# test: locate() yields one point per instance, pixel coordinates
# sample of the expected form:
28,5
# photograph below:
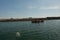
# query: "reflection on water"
48,30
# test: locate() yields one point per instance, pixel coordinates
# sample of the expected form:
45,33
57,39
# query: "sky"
29,8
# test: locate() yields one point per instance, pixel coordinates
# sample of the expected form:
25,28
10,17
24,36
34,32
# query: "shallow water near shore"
48,30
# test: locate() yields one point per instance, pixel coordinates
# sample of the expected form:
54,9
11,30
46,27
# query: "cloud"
44,7
50,7
32,7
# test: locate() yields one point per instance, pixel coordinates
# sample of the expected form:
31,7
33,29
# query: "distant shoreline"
28,19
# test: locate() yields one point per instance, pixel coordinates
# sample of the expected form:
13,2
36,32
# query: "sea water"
48,30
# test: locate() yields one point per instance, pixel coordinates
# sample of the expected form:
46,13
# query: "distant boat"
42,20
37,21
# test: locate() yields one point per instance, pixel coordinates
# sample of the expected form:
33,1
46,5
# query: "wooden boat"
42,20
37,21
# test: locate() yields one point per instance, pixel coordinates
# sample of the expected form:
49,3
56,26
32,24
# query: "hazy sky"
29,8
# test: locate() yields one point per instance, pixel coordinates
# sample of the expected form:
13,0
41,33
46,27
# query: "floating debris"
18,34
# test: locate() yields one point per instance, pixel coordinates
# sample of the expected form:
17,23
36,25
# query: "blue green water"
48,30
